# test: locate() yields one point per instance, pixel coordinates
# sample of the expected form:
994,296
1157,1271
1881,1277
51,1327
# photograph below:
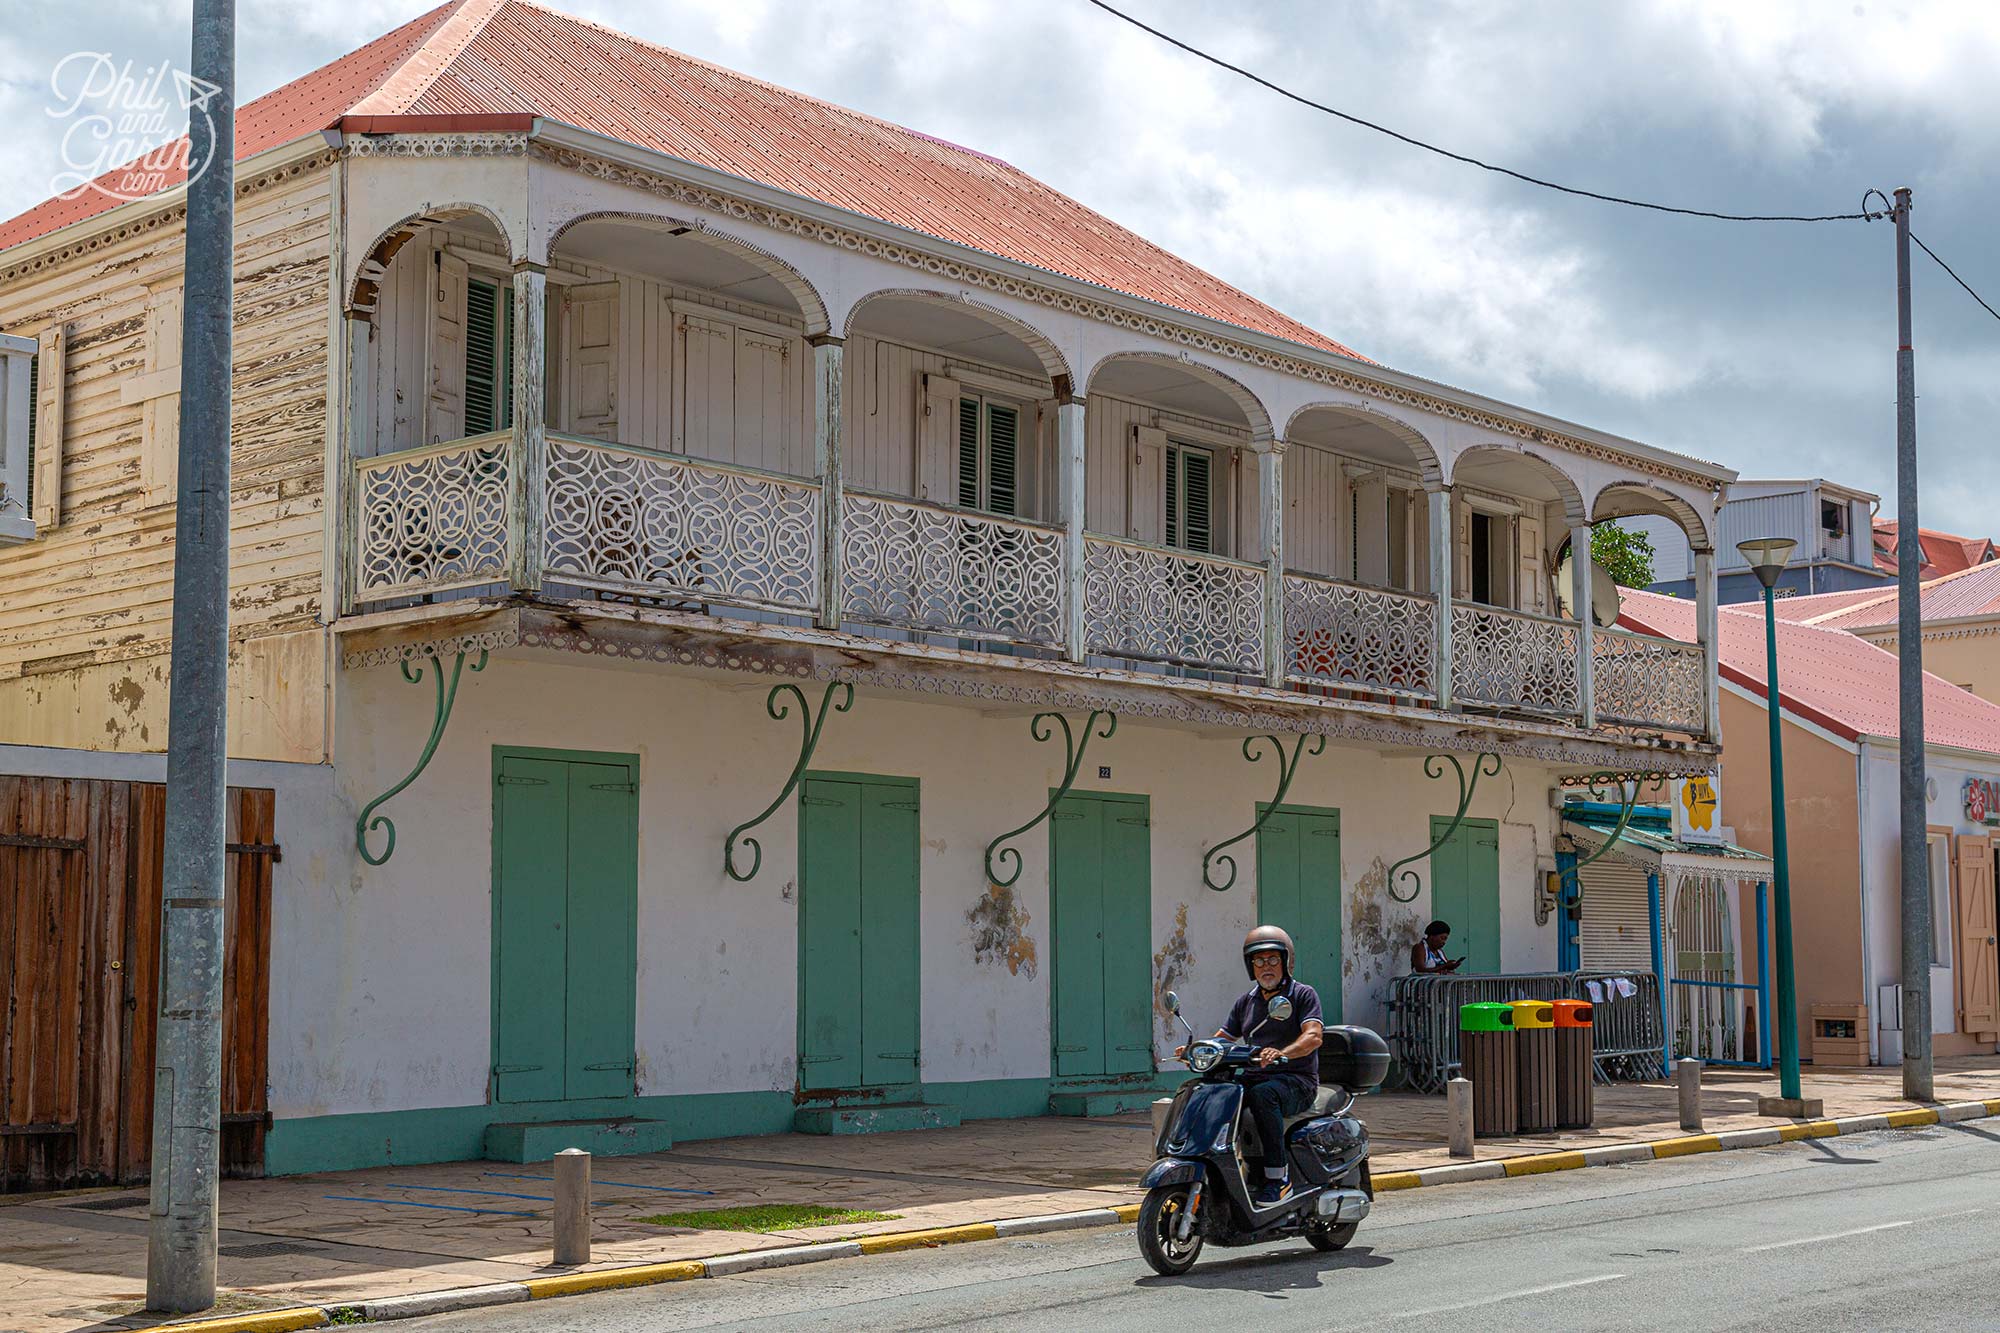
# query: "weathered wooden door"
1465,890
1298,888
566,839
1101,906
858,938
80,876
1978,961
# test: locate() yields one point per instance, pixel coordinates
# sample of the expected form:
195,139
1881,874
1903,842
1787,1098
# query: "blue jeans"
1269,1101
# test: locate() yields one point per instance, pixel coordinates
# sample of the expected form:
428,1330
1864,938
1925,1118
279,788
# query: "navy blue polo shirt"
1250,1020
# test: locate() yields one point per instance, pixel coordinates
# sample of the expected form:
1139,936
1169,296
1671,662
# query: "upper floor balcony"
659,417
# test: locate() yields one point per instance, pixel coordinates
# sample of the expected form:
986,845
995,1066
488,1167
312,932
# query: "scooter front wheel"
1160,1219
1330,1238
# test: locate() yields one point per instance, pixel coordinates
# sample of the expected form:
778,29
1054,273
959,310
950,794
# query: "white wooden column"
1705,628
1069,496
829,361
1443,558
357,421
529,474
1271,523
1579,573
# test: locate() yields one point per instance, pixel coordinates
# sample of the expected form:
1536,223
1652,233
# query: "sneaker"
1272,1193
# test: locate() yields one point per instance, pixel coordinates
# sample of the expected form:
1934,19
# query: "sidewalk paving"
78,1261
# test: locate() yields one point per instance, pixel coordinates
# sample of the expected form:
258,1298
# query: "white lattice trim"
1172,606
432,519
1646,681
926,567
1375,639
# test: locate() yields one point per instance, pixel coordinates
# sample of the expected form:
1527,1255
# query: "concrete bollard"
1687,1073
1458,1096
572,1206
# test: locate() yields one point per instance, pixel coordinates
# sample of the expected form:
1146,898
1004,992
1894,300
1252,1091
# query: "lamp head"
1766,557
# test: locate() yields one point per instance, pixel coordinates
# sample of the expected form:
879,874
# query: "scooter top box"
1354,1057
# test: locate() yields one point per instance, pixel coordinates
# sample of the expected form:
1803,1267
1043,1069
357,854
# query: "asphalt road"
1893,1230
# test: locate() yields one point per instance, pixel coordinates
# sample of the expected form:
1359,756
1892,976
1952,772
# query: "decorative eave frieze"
682,639
483,144
739,206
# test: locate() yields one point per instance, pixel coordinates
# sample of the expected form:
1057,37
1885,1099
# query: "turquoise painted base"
877,1119
539,1141
300,1144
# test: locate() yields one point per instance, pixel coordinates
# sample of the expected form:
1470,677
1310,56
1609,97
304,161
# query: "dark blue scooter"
1198,1191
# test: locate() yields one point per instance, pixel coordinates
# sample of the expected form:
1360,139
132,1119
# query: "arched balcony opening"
1512,649
1360,609
1179,502
951,528
1638,679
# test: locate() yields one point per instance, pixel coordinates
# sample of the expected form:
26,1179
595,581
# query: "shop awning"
1649,842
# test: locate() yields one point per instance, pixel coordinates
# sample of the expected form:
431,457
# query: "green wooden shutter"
968,452
482,357
1196,492
34,418
1173,471
1003,431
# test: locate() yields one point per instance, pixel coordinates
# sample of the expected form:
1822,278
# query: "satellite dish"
1603,592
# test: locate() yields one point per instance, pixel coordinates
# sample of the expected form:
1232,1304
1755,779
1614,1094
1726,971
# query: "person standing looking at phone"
1427,954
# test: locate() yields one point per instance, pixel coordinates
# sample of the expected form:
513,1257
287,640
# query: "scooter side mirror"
1280,1007
1172,1001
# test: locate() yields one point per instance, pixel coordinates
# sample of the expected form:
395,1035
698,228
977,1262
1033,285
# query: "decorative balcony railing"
1510,659
1639,680
1371,639
433,519
925,567
1172,606
640,522
631,520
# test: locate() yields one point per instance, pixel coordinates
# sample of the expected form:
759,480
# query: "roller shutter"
1617,929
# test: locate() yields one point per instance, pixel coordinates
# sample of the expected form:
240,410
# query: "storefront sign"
1982,800
1697,810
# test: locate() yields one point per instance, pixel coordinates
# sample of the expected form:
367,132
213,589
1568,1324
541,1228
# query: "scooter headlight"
1203,1055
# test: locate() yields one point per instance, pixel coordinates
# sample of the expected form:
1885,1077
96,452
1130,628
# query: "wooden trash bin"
1535,1063
1486,1057
1575,1064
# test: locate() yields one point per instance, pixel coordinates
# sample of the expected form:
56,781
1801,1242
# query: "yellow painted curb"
1396,1180
1993,1105
916,1240
1541,1163
1127,1212
263,1321
606,1279
1687,1147
1905,1119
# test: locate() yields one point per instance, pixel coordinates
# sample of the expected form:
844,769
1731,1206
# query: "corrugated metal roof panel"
1828,676
491,57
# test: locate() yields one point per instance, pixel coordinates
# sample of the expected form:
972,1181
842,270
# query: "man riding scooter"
1287,1050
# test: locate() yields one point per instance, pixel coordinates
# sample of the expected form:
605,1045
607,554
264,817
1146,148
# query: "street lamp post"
1766,557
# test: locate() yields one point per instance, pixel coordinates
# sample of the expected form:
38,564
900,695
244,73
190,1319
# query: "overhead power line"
1473,161
1954,277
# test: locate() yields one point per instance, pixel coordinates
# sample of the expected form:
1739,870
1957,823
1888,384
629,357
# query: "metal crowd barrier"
1626,1034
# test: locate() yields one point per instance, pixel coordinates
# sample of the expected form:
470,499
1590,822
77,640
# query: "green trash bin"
1486,1057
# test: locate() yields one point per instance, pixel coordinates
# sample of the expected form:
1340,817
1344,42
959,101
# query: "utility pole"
1910,692
187,1080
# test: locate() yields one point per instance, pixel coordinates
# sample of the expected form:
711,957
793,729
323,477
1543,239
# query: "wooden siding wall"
80,883
85,608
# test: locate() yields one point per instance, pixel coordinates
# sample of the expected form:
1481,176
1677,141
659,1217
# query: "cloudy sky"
1767,347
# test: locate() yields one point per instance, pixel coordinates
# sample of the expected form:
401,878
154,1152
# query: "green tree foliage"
1624,554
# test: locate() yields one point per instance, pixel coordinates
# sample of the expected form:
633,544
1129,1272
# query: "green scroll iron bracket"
1073,749
1287,770
810,724
1627,802
1466,787
447,695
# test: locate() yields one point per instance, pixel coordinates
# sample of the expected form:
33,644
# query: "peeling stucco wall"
1172,966
1376,943
999,932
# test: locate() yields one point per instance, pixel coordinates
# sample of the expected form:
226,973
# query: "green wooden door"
858,940
566,838
1298,887
1101,906
1465,890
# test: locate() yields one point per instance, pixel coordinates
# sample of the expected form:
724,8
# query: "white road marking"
1510,1296
1858,1231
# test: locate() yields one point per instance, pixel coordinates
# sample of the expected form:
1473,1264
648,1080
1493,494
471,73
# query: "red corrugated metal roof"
1944,552
1816,609
1969,592
1827,676
498,57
